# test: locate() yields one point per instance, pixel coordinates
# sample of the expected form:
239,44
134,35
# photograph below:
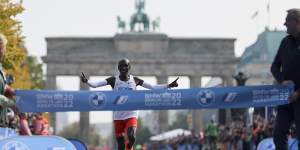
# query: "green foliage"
180,122
26,70
142,134
11,28
36,73
16,54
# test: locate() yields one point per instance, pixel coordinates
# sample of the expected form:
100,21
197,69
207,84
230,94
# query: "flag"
254,15
268,6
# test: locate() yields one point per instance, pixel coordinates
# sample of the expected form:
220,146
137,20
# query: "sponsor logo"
205,97
122,99
15,145
230,97
163,99
123,88
97,100
266,95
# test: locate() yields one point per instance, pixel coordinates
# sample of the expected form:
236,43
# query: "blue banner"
36,143
293,144
268,144
7,132
78,144
196,98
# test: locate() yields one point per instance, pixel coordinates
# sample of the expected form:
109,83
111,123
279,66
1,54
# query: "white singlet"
125,85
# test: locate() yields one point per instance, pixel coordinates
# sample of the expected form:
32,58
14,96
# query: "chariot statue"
139,17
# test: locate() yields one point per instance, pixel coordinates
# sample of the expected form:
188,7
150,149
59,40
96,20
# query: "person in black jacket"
286,70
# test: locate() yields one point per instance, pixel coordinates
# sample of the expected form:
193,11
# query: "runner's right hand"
83,78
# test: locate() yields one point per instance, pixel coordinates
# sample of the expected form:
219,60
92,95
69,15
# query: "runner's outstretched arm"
160,86
92,84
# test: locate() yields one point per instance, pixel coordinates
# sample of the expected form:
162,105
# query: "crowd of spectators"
29,123
234,136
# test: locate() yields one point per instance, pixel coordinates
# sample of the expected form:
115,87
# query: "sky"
179,18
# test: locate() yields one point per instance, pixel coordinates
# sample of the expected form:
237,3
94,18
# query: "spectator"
40,125
5,102
212,133
24,125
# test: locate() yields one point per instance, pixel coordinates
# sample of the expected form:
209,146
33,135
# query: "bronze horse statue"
139,17
121,24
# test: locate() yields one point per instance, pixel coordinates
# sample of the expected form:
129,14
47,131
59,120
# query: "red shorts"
121,126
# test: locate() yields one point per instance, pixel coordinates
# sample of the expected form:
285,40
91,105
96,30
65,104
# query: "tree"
180,122
36,73
14,62
143,133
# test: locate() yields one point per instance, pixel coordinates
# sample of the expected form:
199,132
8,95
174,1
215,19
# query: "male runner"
125,121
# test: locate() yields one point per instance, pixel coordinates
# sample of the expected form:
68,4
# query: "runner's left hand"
174,83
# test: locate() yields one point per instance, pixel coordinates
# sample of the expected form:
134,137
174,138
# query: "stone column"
84,122
197,118
227,81
51,85
163,114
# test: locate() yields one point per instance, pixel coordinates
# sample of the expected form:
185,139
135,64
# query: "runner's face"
124,67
